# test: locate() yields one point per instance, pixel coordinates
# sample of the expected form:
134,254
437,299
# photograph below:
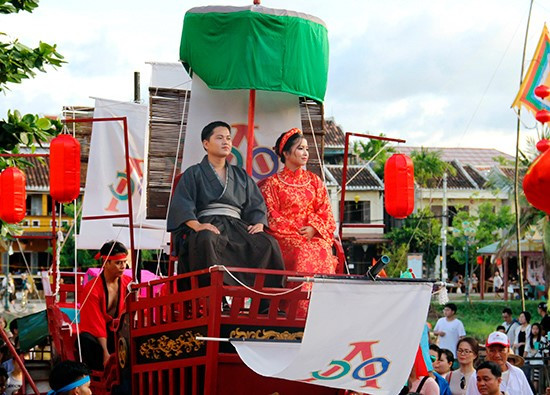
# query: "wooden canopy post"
482,278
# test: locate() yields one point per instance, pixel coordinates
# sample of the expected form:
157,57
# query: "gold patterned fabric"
295,199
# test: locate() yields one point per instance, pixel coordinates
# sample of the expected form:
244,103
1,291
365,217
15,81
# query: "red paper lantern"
542,91
480,260
536,183
13,196
64,168
543,116
543,145
399,186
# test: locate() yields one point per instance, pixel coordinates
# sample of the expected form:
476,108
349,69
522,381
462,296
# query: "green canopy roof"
255,47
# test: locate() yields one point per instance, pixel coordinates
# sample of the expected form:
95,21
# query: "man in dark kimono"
221,213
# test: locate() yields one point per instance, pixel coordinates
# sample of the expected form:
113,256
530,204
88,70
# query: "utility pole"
444,231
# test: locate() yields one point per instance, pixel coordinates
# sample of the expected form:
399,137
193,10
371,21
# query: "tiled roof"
334,136
362,177
480,158
38,176
475,175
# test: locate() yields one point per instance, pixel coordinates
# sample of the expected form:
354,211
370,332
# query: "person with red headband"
103,300
299,211
217,215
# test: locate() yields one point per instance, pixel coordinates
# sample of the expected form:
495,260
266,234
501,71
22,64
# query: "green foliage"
487,227
420,232
18,61
13,6
481,318
428,167
375,150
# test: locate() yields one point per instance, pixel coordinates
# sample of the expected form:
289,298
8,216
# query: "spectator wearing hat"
545,320
513,380
449,329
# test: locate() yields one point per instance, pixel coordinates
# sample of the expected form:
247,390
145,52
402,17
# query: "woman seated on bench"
299,212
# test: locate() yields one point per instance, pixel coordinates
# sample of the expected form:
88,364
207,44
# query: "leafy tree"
420,232
429,168
487,225
376,150
19,62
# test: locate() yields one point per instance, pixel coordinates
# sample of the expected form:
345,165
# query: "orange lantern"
64,168
480,260
13,196
536,183
399,186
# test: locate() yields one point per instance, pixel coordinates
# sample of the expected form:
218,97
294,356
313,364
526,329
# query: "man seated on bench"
102,300
219,211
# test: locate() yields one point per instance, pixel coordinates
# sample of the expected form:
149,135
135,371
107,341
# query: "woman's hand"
307,231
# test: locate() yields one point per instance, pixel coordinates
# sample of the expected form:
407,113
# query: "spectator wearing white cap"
513,381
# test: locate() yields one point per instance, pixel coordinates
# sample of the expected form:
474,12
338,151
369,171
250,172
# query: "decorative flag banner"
276,112
106,192
354,338
537,74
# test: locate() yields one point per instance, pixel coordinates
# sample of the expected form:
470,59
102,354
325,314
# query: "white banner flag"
359,336
106,192
275,113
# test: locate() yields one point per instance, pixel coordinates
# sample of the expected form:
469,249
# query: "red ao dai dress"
295,199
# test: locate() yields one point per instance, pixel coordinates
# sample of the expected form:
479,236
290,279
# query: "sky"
434,72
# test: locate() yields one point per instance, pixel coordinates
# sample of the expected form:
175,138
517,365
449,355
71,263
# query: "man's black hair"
67,372
113,247
507,310
208,130
542,305
492,366
500,328
435,347
3,372
452,306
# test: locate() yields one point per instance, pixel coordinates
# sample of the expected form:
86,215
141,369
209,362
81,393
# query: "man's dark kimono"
200,195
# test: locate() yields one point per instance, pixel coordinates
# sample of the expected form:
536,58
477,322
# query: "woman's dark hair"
288,144
448,354
67,372
527,316
113,247
492,366
473,344
435,347
208,130
539,336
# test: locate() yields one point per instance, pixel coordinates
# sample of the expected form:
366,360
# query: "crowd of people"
509,362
